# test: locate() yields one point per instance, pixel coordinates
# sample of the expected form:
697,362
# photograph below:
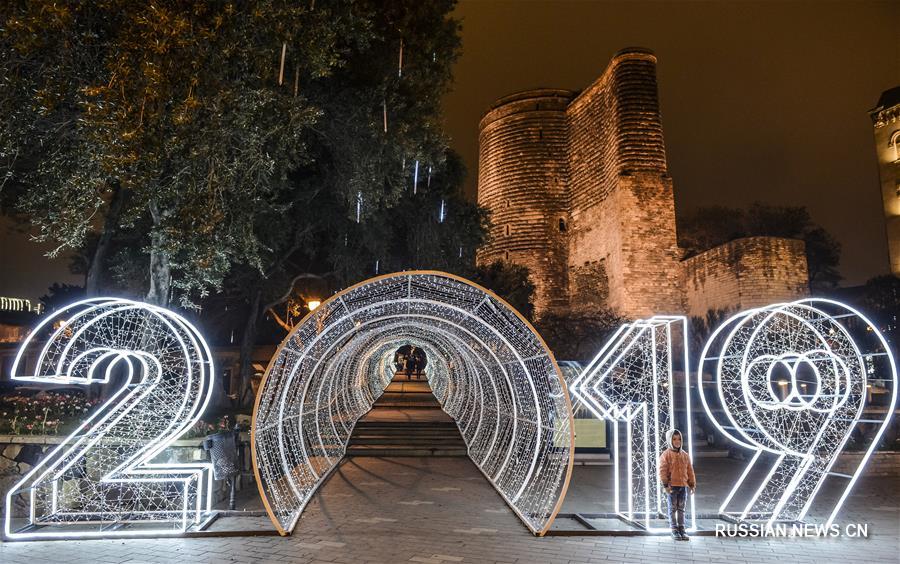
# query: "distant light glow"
313,304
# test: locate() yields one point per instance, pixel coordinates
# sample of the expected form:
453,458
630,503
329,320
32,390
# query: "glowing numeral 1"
632,381
106,473
790,383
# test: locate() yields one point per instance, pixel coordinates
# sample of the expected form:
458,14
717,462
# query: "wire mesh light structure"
791,383
487,367
632,382
106,478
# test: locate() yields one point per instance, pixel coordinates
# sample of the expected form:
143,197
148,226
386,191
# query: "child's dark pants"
676,507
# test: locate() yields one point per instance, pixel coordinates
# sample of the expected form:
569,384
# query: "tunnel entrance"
406,420
488,369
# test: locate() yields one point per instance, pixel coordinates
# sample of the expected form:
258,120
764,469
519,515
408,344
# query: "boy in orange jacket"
676,474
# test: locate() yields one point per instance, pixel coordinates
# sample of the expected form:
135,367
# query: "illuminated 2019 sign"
632,382
105,474
789,381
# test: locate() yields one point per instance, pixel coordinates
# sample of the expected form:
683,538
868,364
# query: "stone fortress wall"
579,192
886,126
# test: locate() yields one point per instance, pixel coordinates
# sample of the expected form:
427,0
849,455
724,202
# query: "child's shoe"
676,535
682,535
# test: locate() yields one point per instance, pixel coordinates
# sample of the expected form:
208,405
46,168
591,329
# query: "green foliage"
59,296
228,159
509,281
710,226
881,301
578,335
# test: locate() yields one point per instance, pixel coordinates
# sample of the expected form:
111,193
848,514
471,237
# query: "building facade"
579,192
886,124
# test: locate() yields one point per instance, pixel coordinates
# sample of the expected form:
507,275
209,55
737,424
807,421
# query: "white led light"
106,474
631,382
807,349
487,367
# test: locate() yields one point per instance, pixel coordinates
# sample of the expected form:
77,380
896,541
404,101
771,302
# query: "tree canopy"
189,140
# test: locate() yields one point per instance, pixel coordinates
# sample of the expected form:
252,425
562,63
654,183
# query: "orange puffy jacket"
675,468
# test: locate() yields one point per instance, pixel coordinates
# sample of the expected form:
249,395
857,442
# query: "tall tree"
179,119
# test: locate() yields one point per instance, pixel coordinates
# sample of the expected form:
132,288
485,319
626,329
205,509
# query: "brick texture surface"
579,192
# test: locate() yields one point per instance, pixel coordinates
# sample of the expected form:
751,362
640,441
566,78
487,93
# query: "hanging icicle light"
441,214
377,263
281,67
429,177
416,178
384,106
358,206
400,61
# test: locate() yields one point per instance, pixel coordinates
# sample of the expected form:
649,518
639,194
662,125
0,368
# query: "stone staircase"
406,420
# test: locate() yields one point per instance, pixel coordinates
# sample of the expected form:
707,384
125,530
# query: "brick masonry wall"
886,127
621,197
579,193
745,273
522,181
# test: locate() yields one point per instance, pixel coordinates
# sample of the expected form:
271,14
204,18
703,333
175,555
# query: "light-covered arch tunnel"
487,366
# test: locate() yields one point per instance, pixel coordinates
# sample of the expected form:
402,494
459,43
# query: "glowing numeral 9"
790,383
631,381
104,474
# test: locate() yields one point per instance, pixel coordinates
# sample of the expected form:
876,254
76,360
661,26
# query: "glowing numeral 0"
790,383
105,474
632,381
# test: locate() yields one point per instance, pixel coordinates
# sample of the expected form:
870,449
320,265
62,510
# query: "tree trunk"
248,341
98,261
160,270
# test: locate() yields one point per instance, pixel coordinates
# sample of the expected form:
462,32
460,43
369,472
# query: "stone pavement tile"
472,524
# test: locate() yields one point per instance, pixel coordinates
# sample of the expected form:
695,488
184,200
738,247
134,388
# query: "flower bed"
52,414
47,413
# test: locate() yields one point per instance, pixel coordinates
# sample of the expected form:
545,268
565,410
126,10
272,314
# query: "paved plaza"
442,510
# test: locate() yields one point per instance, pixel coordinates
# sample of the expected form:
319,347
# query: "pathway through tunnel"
407,420
406,471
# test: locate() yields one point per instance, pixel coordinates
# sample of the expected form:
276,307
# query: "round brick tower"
522,181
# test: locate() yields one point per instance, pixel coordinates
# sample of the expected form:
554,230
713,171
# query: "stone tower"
580,193
886,121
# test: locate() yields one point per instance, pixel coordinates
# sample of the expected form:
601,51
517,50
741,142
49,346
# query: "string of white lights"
107,473
791,384
632,381
487,367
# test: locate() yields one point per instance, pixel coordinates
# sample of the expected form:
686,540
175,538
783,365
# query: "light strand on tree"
281,67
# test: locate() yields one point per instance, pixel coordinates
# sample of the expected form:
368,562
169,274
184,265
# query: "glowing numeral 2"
104,474
791,384
632,381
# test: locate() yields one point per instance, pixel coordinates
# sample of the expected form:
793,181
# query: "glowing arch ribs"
790,383
632,381
486,365
107,473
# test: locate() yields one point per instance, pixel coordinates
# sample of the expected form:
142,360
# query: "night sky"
761,102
